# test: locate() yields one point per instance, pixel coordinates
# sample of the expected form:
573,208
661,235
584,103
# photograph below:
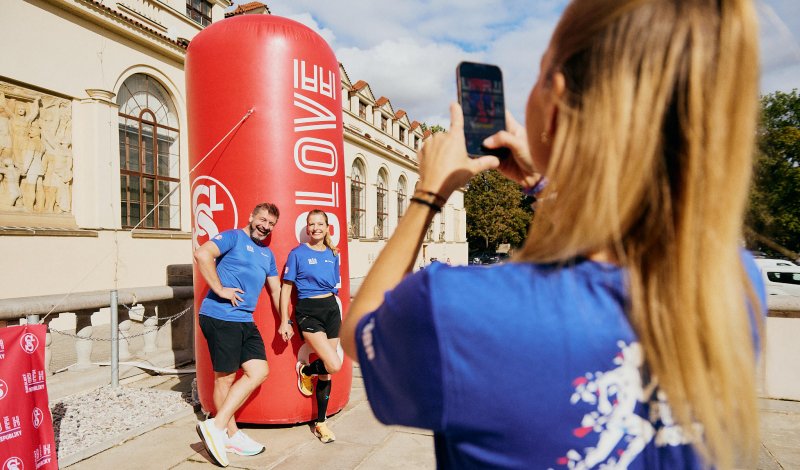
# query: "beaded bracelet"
430,204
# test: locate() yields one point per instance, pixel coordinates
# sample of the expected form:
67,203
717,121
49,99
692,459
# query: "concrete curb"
121,438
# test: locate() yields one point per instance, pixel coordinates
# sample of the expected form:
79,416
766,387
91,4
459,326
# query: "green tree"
497,211
434,128
773,217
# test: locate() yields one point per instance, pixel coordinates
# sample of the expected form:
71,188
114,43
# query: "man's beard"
254,230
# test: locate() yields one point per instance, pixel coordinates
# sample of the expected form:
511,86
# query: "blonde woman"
622,334
313,268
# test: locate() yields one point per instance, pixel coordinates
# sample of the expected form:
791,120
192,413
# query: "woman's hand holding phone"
519,167
444,163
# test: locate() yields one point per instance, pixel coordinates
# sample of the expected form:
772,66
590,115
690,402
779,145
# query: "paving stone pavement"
365,444
361,443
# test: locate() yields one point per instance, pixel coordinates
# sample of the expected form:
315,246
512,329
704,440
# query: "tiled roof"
399,114
359,85
245,7
381,101
414,125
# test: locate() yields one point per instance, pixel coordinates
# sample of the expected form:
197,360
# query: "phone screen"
480,93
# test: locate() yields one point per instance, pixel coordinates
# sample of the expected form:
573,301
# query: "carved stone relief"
35,151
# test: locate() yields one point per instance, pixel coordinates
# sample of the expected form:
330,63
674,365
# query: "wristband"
432,205
536,188
441,201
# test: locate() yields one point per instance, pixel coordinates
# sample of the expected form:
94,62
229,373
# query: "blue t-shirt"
313,272
520,366
244,264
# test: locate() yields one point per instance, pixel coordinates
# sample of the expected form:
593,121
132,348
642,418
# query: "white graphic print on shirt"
623,434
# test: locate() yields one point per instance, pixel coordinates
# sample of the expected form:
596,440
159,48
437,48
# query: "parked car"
482,257
764,262
781,280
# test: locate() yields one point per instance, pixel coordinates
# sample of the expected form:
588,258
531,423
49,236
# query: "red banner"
26,427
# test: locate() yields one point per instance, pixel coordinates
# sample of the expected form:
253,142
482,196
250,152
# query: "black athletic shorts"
315,315
231,343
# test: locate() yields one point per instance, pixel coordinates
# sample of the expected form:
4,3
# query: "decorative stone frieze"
35,158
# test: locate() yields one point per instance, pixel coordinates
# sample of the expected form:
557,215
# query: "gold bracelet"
430,204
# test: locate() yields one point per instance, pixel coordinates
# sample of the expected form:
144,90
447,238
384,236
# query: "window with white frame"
401,197
358,201
149,155
199,11
382,207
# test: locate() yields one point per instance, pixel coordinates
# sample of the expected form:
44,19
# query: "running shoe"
323,433
242,444
304,383
214,440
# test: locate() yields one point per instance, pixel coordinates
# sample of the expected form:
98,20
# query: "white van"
763,262
781,280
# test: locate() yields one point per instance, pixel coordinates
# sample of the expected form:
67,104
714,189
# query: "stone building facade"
93,135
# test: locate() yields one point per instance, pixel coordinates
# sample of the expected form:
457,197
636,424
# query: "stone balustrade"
84,316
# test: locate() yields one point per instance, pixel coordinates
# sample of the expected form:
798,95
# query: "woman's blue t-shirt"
244,264
521,366
313,272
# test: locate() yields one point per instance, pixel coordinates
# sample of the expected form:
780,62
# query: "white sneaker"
242,444
214,440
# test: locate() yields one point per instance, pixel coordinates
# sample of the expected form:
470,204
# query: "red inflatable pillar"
289,152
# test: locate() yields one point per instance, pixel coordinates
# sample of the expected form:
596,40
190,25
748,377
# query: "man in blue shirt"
235,264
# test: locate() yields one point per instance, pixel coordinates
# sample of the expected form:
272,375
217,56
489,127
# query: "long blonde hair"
651,159
327,241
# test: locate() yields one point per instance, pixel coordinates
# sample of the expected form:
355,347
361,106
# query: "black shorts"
231,343
315,315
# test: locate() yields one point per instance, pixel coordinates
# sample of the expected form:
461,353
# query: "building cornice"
129,23
367,142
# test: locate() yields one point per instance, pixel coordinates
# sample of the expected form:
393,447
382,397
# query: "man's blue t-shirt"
521,366
244,264
313,272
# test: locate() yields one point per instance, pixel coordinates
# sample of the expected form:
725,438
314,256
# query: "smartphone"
480,94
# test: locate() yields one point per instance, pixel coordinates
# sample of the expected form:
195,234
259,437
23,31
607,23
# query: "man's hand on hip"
230,293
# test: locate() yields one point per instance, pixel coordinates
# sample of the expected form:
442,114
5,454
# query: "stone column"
83,344
96,163
150,329
125,325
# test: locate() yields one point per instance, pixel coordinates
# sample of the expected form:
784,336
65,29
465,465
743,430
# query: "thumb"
487,162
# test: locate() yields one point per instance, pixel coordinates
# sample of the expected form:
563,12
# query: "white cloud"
408,51
780,49
417,77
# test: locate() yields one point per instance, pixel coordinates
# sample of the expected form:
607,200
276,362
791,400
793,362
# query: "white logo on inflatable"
334,228
29,343
3,389
206,200
13,463
38,418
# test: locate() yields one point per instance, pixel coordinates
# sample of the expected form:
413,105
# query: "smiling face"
261,225
316,226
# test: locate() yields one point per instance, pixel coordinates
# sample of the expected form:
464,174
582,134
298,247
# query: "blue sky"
408,51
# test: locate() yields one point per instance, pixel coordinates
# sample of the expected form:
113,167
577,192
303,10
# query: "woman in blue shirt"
313,268
621,334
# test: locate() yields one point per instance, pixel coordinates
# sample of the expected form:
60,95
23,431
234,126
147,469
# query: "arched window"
401,197
149,157
358,201
382,208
